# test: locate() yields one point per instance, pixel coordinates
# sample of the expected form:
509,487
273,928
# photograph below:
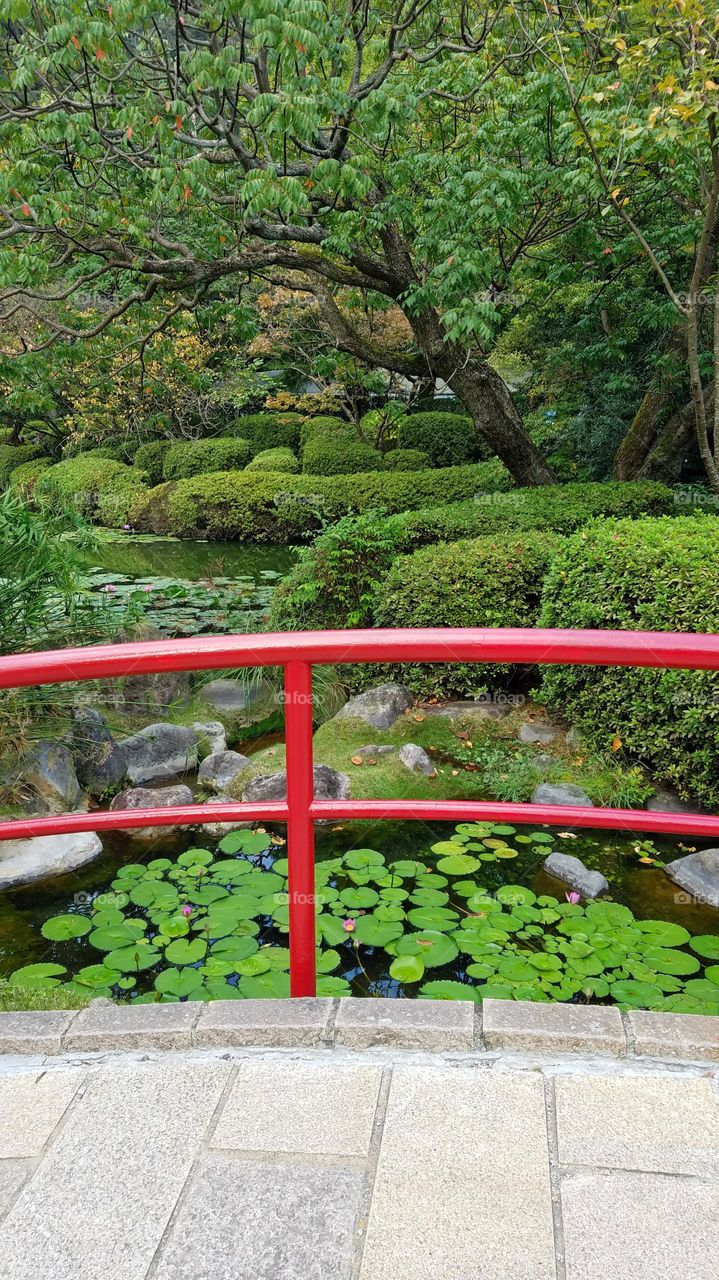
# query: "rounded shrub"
325,427
339,456
24,477
94,486
150,458
480,582
196,457
449,439
406,460
642,575
277,460
257,507
12,456
269,430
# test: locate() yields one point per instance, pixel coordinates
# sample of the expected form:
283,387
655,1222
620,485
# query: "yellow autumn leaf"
616,742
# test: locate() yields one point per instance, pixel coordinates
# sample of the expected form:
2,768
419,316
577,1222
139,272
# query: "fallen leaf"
616,742
357,760
417,717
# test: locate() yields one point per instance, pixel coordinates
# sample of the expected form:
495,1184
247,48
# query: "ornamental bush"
642,575
269,430
448,438
150,458
24,477
478,582
326,427
195,457
14,455
406,460
94,486
277,508
277,460
316,592
341,455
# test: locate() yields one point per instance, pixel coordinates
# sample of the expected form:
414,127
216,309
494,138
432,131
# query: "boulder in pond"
151,798
46,776
415,759
379,707
211,732
216,830
698,873
219,770
328,785
229,697
572,871
561,793
42,857
159,752
667,800
99,762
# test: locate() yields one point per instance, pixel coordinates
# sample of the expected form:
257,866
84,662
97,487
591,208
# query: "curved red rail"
298,652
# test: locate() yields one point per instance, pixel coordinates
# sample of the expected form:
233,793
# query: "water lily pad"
662,933
638,995
706,945
248,842
61,928
37,975
410,969
179,983
359,899
458,864
332,987
185,951
667,960
447,990
96,975
436,949
362,858
376,933
134,958
233,950
268,986
434,918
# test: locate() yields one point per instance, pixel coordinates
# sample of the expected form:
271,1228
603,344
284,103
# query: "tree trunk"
666,456
641,436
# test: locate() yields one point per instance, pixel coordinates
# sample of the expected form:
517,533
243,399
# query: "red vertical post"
300,827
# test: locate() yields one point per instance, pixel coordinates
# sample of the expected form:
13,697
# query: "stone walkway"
311,1164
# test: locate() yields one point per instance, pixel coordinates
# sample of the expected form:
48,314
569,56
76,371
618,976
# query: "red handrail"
297,652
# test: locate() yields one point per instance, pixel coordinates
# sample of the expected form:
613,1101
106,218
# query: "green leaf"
706,945
61,928
447,990
409,969
37,975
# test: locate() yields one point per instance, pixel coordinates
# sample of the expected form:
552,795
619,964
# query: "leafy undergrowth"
213,926
19,997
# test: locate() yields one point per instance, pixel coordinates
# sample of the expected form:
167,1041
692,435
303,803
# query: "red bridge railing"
298,652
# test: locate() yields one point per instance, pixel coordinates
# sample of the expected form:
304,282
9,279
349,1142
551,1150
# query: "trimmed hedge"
326,427
651,575
14,455
339,456
277,460
316,593
482,582
269,430
196,457
150,458
95,486
278,508
25,476
406,460
449,439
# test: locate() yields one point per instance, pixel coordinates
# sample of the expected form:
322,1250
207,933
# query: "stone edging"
432,1026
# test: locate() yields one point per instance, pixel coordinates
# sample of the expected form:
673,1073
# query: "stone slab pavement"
306,1163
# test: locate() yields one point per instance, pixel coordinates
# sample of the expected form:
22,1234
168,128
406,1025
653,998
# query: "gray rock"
232,696
372,751
698,873
220,769
415,758
99,762
155,691
159,752
480,707
213,731
574,737
328,785
543,733
151,798
667,800
216,830
47,772
544,760
379,707
561,793
573,872
27,861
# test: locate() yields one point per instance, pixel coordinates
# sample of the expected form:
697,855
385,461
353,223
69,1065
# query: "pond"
462,912
185,588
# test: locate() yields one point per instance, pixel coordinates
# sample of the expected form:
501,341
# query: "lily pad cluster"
182,608
213,926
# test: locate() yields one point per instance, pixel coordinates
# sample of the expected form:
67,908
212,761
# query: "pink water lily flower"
110,588
147,588
573,897
187,910
348,926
